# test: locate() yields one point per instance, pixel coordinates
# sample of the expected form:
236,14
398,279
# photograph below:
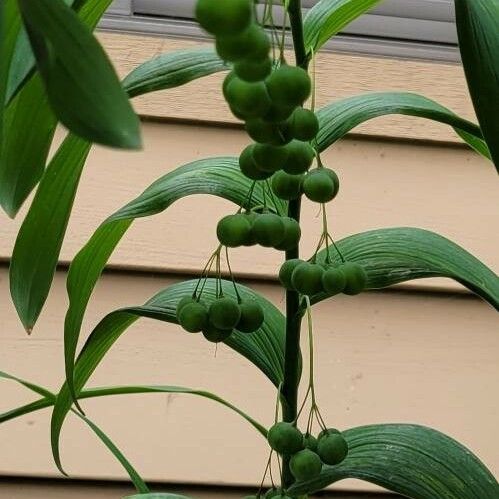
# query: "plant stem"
293,317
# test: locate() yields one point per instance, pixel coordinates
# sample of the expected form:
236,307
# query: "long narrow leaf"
401,254
414,461
172,70
218,176
48,400
339,118
328,17
82,87
39,241
264,348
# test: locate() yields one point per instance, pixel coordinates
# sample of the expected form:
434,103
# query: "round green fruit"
266,133
268,230
252,43
253,70
249,167
289,86
185,300
252,316
286,271
300,157
216,335
328,431
334,280
269,158
305,465
292,234
193,317
224,17
224,313
321,185
304,124
250,100
310,442
356,278
287,186
285,438
307,278
332,449
234,230
275,493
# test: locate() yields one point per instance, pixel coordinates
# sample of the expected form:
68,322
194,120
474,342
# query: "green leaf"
412,460
40,237
401,254
157,495
264,348
48,400
30,127
478,33
339,118
81,84
328,17
218,176
172,70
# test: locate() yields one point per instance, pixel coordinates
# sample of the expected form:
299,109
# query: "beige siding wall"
425,352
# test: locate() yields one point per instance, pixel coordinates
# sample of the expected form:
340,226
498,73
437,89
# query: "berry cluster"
311,278
266,229
307,452
218,320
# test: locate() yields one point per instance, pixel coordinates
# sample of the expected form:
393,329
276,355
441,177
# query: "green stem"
293,316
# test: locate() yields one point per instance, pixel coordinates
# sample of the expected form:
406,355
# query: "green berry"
289,86
286,271
310,442
224,313
356,278
267,133
321,185
269,158
287,186
216,335
332,448
292,234
253,43
251,217
249,167
307,278
334,280
300,157
224,17
193,317
328,431
305,465
304,124
268,230
234,230
250,100
185,300
253,70
285,438
252,316
278,114
275,493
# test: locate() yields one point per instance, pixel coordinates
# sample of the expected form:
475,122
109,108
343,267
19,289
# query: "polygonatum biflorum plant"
54,71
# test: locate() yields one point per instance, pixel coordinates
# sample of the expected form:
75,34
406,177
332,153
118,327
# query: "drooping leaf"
39,240
49,399
172,70
339,118
415,461
218,176
478,32
401,254
328,17
82,87
264,348
30,127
